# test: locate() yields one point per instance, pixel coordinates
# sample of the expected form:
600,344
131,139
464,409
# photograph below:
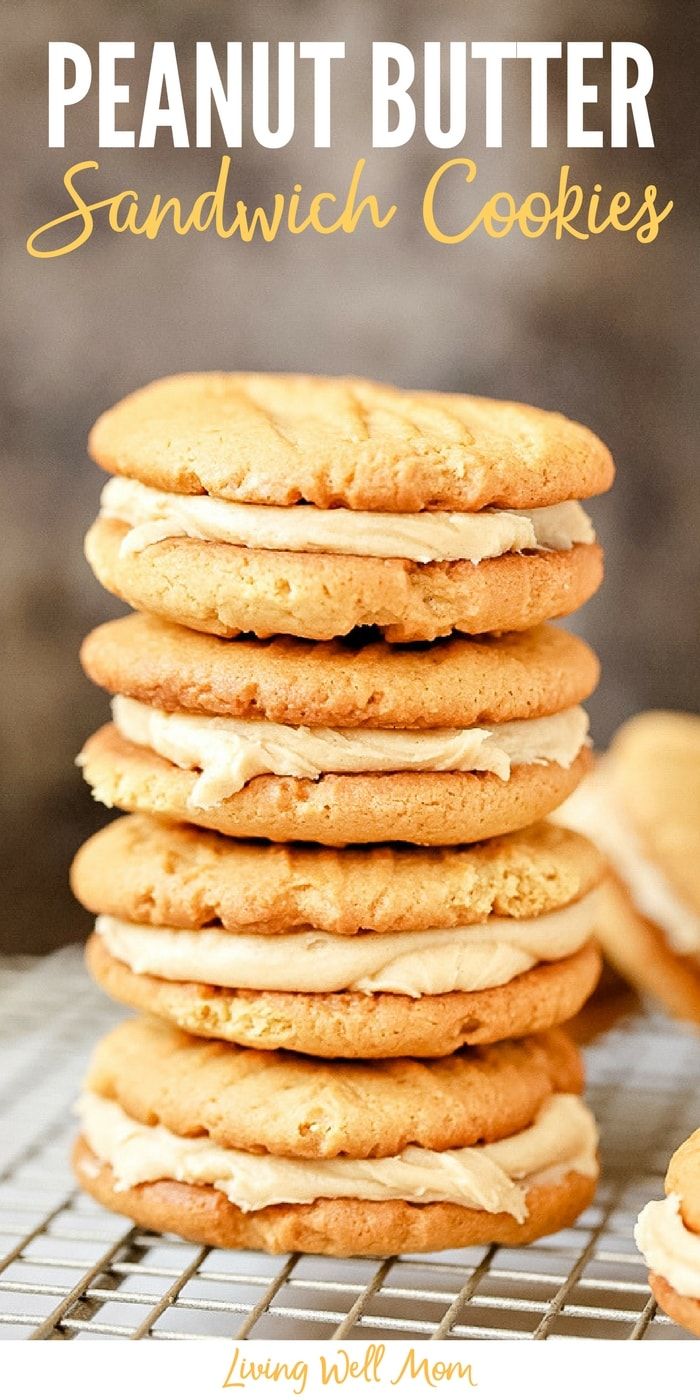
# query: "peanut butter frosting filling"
494,1177
228,753
422,536
414,964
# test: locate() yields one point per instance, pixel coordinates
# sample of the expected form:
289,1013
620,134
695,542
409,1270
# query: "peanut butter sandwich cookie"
339,743
642,807
668,1235
342,954
307,506
487,1146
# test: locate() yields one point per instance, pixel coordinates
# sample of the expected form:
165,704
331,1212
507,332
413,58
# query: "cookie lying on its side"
491,1145
668,1235
339,743
312,506
356,953
642,807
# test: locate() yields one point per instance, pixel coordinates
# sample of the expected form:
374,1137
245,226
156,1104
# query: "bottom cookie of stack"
668,1235
489,1145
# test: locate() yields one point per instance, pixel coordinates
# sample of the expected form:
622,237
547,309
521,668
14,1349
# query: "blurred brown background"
602,330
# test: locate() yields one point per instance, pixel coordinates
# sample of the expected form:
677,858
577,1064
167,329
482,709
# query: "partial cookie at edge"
638,950
683,1179
654,767
684,1311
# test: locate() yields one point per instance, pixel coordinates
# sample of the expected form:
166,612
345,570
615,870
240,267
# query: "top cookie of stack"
309,507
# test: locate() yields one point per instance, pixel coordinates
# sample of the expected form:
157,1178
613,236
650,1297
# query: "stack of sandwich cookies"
668,1235
362,953
490,1145
301,506
340,719
642,805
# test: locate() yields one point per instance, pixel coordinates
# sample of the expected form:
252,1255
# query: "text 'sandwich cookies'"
309,507
335,743
488,1146
642,806
668,1235
356,953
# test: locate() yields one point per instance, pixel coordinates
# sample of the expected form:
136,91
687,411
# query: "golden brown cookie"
152,872
450,684
351,1145
668,1235
349,1024
423,809
225,590
280,439
684,1311
371,1108
636,947
340,1228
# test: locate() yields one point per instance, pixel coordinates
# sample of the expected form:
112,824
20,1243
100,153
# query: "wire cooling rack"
70,1270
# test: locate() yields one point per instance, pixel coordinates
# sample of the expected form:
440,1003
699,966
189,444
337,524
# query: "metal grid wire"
70,1270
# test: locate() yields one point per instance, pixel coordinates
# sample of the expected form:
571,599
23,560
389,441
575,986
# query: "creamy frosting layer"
228,753
669,1247
423,537
409,964
594,810
494,1177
